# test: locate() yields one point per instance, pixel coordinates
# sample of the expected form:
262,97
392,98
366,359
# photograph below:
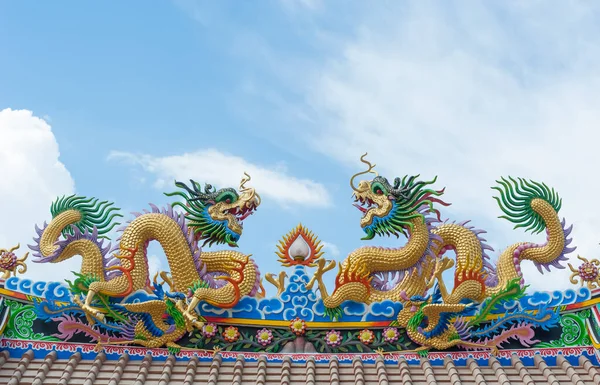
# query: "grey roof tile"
27,369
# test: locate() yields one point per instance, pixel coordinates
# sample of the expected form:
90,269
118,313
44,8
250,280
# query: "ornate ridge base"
64,350
43,362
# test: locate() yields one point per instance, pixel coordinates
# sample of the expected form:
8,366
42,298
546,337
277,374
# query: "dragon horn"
243,188
404,296
370,170
245,179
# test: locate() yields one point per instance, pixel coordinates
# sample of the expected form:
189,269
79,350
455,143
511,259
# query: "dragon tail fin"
515,201
534,207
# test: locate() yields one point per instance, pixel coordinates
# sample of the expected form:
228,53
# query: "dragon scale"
405,207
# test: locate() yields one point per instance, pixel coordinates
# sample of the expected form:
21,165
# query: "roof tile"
548,375
118,371
165,376
190,372
382,376
102,371
261,372
590,369
476,371
96,366
21,368
69,369
359,375
238,370
569,370
334,373
523,373
45,368
428,372
499,371
405,372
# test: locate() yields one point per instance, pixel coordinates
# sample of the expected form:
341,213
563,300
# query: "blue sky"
137,94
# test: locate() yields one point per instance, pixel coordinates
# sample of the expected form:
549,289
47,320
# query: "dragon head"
388,208
216,216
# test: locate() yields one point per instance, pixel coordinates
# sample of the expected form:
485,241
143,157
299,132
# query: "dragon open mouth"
363,204
241,214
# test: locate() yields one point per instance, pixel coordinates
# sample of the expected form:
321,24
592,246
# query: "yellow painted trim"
28,297
276,323
589,302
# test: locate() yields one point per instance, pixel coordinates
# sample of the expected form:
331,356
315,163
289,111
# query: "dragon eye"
377,189
226,197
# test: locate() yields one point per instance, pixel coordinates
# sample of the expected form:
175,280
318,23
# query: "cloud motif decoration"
295,301
52,291
298,301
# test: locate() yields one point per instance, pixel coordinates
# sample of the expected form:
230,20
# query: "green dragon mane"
94,214
515,201
410,196
195,204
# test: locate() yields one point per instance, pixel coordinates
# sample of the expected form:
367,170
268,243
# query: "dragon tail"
78,227
68,326
518,325
533,206
524,333
545,318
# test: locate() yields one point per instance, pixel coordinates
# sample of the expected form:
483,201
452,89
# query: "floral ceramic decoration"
9,262
264,337
587,271
209,330
298,326
366,336
231,334
390,335
333,338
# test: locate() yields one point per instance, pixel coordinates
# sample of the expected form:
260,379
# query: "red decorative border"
204,354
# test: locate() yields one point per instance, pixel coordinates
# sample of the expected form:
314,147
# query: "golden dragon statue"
409,207
219,278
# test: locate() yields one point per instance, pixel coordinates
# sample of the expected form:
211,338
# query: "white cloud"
154,265
331,249
32,177
224,170
471,94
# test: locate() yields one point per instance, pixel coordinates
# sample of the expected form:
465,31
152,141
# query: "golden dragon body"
408,207
219,278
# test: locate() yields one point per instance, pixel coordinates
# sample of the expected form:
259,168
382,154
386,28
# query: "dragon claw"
443,265
321,269
89,311
99,347
192,321
494,350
